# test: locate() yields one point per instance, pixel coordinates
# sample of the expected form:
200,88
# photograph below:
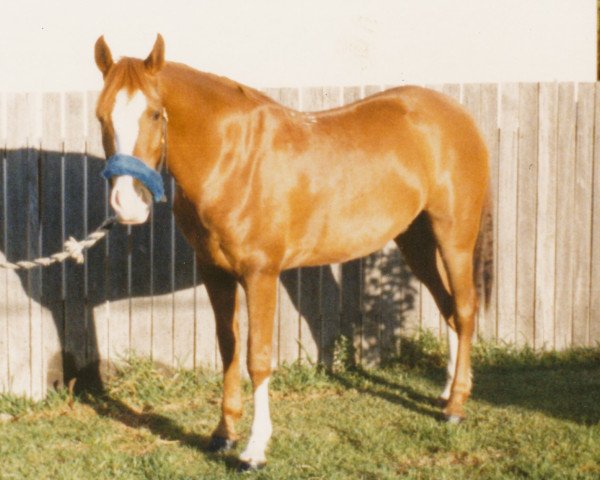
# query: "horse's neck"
189,90
196,105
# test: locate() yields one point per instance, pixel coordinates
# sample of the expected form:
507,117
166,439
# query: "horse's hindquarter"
358,180
372,167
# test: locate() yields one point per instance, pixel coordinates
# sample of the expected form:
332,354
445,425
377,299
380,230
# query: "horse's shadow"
161,426
47,196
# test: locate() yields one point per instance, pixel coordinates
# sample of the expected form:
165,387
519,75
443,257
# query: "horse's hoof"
220,444
454,419
250,466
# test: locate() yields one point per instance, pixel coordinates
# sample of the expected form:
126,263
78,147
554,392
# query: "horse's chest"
205,243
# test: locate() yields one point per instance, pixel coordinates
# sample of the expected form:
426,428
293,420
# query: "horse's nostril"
114,199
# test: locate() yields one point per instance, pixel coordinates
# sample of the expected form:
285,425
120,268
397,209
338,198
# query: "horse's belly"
354,232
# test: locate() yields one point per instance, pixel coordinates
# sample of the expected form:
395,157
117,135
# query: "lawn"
531,416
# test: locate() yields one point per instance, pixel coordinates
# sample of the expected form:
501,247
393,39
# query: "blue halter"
121,164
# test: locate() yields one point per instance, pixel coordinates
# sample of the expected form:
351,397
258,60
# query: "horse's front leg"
222,288
261,291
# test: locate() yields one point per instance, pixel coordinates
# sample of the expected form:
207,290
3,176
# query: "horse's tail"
484,252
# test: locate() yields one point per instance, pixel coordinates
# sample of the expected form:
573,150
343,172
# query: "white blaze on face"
129,198
126,119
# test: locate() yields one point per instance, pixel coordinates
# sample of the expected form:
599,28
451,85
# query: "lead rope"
72,249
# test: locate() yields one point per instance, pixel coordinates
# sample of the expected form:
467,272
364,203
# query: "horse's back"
430,139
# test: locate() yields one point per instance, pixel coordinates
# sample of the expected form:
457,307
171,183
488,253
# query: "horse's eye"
156,116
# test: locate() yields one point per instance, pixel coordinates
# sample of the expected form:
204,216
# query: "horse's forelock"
127,74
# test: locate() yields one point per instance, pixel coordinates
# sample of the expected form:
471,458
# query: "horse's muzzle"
130,200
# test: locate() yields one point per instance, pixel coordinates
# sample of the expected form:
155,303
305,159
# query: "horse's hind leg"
420,251
457,239
222,291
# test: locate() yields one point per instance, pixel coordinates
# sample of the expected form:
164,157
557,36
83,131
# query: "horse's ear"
156,59
103,56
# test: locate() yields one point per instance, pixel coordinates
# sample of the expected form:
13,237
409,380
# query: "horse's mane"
130,73
221,82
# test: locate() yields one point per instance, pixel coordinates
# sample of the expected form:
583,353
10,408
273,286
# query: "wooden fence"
139,289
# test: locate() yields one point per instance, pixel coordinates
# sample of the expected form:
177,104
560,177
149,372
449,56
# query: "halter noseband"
122,164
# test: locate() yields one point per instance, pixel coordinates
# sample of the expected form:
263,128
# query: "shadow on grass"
160,425
371,383
565,393
564,385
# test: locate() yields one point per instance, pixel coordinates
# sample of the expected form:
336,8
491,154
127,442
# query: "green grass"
532,415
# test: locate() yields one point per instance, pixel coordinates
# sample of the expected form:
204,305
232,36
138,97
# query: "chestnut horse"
262,188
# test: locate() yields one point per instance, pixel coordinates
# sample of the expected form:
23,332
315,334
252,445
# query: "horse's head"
133,122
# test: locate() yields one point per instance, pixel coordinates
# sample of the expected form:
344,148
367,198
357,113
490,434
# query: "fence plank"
33,240
4,275
163,279
52,236
141,290
396,299
563,314
17,164
526,212
488,125
545,267
287,334
507,206
183,303
118,291
582,218
595,257
97,271
34,246
76,328
207,352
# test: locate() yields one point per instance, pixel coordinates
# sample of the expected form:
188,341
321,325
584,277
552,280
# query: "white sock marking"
261,427
452,358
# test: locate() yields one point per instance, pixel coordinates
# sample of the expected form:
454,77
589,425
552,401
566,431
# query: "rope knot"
75,250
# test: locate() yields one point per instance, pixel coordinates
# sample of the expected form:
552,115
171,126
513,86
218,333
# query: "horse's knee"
259,364
259,374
